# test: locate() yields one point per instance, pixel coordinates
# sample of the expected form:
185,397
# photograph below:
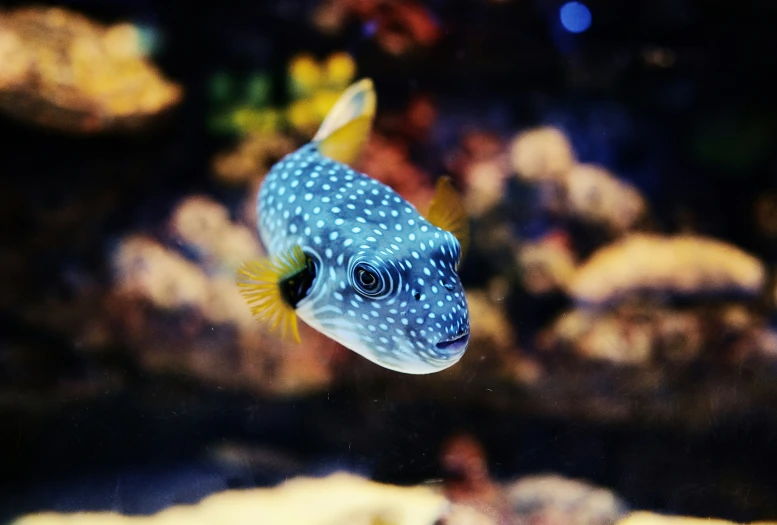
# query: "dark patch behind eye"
296,287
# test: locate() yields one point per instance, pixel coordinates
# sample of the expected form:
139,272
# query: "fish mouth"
457,344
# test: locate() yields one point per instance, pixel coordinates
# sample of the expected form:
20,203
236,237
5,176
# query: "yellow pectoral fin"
345,130
447,211
260,283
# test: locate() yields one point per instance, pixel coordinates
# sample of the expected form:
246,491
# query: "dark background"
64,199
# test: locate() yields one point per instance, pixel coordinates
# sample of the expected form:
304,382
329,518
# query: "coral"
589,193
766,215
399,27
387,160
204,225
485,184
145,269
67,72
542,154
198,220
555,500
774,294
463,458
466,515
493,348
604,337
549,499
636,334
177,315
649,518
480,165
252,158
490,325
314,87
340,498
468,481
596,196
682,264
546,265
14,62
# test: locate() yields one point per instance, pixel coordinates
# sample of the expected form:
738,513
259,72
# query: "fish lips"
456,345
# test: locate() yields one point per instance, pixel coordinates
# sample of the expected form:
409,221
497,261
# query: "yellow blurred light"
340,69
322,101
305,74
302,115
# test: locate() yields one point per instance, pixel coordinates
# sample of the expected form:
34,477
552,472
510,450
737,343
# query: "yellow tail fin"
345,130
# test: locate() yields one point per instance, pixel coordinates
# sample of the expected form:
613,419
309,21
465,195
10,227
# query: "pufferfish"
352,258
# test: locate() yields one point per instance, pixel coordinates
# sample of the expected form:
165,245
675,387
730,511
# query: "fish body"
362,265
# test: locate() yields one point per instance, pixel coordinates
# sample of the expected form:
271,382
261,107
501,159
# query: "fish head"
399,302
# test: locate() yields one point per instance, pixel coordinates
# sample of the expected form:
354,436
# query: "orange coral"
399,26
387,160
468,479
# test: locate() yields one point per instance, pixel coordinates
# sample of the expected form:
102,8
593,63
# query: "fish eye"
369,281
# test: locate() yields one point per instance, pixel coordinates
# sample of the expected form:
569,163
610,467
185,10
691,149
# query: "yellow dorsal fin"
345,130
259,282
446,211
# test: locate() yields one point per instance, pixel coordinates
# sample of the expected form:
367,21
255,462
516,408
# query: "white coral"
485,186
547,265
235,245
649,518
341,499
226,305
597,196
199,221
204,224
144,268
684,264
14,60
543,153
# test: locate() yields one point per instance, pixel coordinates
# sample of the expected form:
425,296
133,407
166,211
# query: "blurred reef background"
618,164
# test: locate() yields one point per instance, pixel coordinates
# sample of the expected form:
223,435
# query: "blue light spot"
575,17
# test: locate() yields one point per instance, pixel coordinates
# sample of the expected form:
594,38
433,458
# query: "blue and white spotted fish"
355,260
